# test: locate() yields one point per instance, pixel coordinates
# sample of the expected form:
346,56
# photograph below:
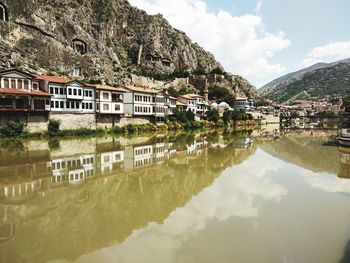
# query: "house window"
90,106
86,93
56,104
69,91
77,104
61,105
79,92
83,105
67,104
52,104
26,84
74,92
105,107
61,91
13,84
117,107
56,91
105,96
35,86
6,83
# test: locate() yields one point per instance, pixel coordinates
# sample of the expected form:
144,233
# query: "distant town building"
244,104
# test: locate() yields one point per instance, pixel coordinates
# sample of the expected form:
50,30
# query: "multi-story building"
145,102
172,105
21,94
109,100
194,103
70,95
244,104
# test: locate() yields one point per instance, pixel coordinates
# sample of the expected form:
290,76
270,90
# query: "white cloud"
241,43
329,53
258,6
239,192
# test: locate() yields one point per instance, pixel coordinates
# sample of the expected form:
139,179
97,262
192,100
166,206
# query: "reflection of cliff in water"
307,152
129,185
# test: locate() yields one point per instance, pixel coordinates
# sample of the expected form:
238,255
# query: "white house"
109,100
145,102
244,104
70,95
172,105
195,103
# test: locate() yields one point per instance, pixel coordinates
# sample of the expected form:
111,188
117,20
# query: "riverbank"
17,130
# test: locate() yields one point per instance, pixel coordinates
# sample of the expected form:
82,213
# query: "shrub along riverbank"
180,121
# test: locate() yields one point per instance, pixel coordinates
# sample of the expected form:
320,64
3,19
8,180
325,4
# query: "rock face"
93,39
316,82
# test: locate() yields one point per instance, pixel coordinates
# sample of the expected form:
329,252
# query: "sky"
262,39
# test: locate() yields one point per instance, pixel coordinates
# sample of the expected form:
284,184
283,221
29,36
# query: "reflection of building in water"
22,175
243,143
109,161
72,170
141,156
27,175
344,168
139,197
197,147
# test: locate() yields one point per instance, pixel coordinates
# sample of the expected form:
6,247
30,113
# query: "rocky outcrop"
94,39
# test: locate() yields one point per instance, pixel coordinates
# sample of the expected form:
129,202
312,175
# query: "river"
214,197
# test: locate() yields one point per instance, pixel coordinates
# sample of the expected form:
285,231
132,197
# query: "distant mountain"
315,81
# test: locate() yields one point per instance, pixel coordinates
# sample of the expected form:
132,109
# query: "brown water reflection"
119,199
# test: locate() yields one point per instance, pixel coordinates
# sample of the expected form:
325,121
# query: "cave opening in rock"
80,46
3,12
149,57
166,62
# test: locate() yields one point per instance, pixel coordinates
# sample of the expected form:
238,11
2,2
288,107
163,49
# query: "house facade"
70,96
172,105
194,103
244,104
21,96
109,100
145,102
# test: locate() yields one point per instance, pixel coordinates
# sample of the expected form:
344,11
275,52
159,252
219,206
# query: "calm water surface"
185,198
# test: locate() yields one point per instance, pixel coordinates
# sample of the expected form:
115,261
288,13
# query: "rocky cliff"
93,39
105,39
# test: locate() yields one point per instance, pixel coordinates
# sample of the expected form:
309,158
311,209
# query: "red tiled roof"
190,96
179,103
141,90
24,92
54,79
106,87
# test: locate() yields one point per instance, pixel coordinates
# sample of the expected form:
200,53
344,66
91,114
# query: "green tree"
173,92
199,70
346,103
53,127
227,116
213,115
221,94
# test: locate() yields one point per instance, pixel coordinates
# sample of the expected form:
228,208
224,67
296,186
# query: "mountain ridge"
284,84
